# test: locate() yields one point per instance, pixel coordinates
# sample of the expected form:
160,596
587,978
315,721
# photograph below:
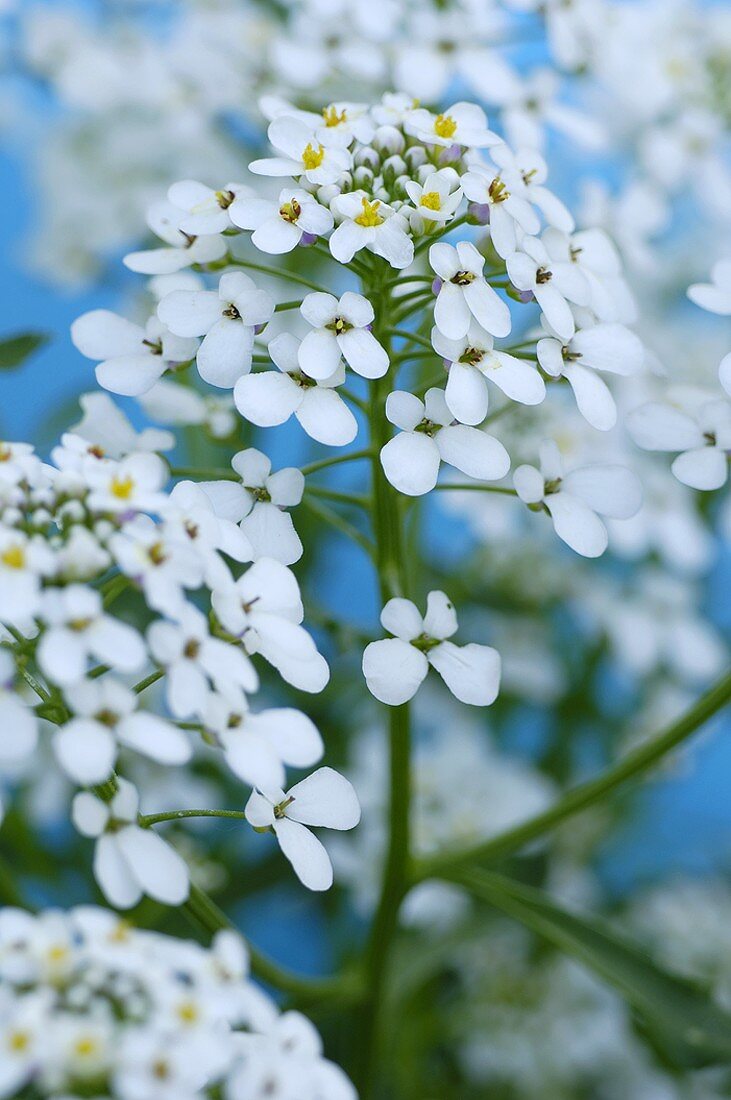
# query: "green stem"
279,273
412,336
635,763
282,307
471,485
324,463
433,237
206,473
203,911
390,561
339,523
358,500
146,820
148,681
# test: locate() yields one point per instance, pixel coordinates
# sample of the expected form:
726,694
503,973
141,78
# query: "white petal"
154,737
411,463
529,484
471,672
276,236
190,312
225,354
271,534
466,394
657,427
294,736
250,758
473,452
319,354
724,373
451,312
89,814
130,375
325,799
405,410
702,468
307,855
440,620
517,379
393,670
112,872
363,353
326,418
556,310
610,490
286,487
267,399
158,868
19,729
62,656
577,525
86,751
259,809
101,334
593,398
609,347
401,618
488,308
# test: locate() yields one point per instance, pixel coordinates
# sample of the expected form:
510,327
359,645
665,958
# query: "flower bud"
387,139
363,177
415,157
367,157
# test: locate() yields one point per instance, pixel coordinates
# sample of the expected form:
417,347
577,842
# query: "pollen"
445,126
18,1041
85,1046
313,157
497,191
224,199
333,117
5,452
13,557
370,216
432,200
188,1012
122,487
290,211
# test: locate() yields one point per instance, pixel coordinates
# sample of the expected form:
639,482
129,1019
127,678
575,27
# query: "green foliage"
16,349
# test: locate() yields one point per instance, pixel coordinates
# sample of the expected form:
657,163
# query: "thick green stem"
393,581
633,764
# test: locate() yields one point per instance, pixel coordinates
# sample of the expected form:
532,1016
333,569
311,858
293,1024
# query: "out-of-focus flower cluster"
90,1005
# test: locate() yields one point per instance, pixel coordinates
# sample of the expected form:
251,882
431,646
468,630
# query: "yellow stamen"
85,1046
431,200
370,216
444,126
18,1041
13,557
313,157
334,118
5,453
290,211
122,487
188,1012
497,191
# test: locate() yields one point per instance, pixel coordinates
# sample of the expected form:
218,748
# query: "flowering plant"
442,292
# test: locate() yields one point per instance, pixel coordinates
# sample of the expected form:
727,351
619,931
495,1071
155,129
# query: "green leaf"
16,349
677,1013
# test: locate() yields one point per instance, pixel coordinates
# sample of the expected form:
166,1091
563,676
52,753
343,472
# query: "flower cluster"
90,1005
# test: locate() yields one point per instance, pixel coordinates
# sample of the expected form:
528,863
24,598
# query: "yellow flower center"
313,157
290,211
431,200
497,191
5,453
18,1041
187,1012
13,557
370,216
334,118
122,487
85,1046
444,126
57,953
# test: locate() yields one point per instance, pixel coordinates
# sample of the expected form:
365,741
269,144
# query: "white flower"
337,124
437,198
105,716
258,746
324,799
590,272
163,565
395,667
507,212
23,562
279,226
271,397
340,328
702,435
532,270
132,484
22,1039
185,249
472,363
226,319
195,662
576,500
716,295
264,609
78,629
129,861
372,224
258,504
428,437
607,347
304,154
133,358
465,293
191,517
525,173
724,373
203,211
105,426
461,124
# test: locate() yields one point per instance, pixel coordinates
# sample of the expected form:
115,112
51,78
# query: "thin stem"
280,273
460,486
358,500
635,763
207,473
204,912
432,237
412,336
146,820
113,588
282,307
357,401
344,526
148,681
336,460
